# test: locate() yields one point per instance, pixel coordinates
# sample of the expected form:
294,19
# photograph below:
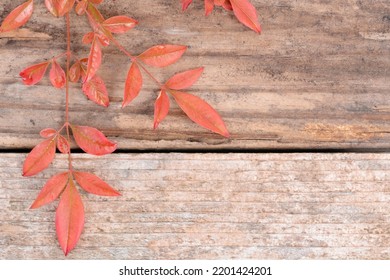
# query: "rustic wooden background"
317,79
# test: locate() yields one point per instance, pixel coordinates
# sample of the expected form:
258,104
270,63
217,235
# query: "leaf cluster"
70,214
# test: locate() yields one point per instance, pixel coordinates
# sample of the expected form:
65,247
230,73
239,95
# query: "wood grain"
318,76
210,206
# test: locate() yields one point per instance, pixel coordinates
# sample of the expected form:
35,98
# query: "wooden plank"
210,206
318,76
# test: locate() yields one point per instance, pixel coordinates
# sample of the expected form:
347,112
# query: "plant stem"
68,57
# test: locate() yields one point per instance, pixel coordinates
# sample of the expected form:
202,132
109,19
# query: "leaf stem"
134,59
68,57
61,55
122,49
160,85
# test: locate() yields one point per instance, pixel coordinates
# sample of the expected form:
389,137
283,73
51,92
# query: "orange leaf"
93,184
33,74
63,145
162,55
184,79
40,157
94,60
185,4
48,132
51,190
133,84
96,91
57,75
208,6
161,108
92,141
18,17
59,7
119,24
69,218
246,14
75,72
200,112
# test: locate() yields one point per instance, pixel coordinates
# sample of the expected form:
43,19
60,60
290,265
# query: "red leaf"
51,190
84,61
92,141
103,39
48,132
88,38
40,157
93,184
33,74
227,5
52,7
185,4
161,108
94,60
75,72
184,79
119,24
162,55
59,7
246,14
81,7
133,84
83,68
208,6
57,75
18,17
69,218
63,145
95,17
96,20
219,2
97,2
96,91
200,112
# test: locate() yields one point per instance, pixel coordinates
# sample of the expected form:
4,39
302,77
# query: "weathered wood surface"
211,206
318,76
